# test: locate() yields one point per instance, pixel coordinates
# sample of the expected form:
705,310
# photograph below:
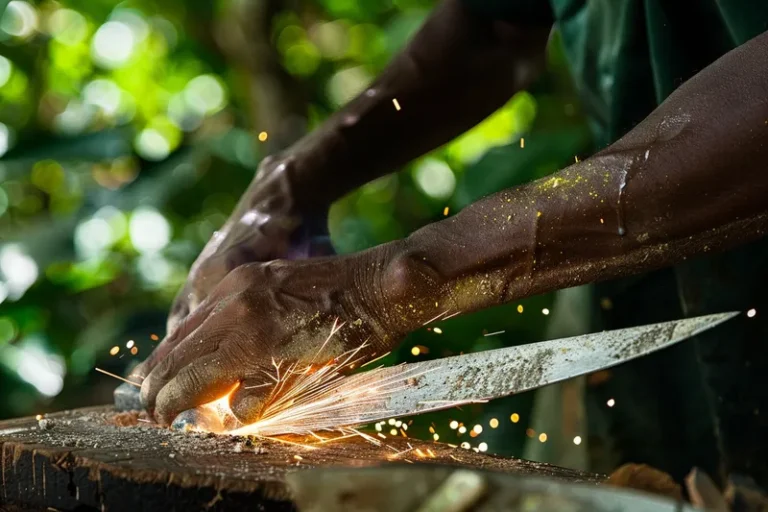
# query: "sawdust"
128,418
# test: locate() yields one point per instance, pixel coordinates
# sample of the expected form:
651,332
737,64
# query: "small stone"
172,455
45,424
238,448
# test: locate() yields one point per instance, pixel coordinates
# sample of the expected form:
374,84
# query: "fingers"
248,399
178,354
203,381
179,310
185,327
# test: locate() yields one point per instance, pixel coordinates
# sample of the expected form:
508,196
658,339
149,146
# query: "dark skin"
689,179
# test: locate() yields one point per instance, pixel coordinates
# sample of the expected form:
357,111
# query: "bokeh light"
149,230
5,70
19,270
113,44
152,145
5,138
435,178
19,19
67,26
205,94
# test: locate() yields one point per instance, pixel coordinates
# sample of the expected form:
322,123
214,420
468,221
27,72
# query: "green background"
128,131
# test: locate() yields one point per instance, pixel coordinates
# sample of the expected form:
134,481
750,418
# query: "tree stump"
98,459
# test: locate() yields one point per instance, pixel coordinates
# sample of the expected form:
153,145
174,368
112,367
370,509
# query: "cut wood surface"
83,460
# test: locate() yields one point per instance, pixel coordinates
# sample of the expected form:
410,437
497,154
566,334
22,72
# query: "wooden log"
84,460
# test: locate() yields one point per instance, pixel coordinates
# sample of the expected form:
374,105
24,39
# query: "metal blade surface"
445,383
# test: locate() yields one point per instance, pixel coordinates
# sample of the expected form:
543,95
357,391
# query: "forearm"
457,70
689,179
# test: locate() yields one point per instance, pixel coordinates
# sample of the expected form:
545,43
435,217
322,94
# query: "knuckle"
190,380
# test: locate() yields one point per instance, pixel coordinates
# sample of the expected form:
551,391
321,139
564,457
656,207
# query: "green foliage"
126,140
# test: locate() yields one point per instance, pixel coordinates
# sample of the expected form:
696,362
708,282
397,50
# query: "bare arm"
691,178
457,70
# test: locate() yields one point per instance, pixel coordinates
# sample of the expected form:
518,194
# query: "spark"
436,437
545,311
494,423
39,417
611,402
130,344
382,356
577,440
445,211
462,429
258,385
543,437
751,313
143,420
522,143
454,425
396,103
114,350
465,445
452,315
154,337
393,432
105,372
494,333
134,351
263,136
530,432
437,317
483,447
438,330
478,429
320,397
514,418
416,350
519,308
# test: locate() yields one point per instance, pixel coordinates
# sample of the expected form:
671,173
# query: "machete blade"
415,388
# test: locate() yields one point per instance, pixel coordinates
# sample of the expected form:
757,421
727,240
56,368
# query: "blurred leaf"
91,147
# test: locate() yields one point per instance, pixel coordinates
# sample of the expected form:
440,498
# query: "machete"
415,388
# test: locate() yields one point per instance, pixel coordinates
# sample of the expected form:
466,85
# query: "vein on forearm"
689,179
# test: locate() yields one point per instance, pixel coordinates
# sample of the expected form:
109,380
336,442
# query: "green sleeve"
535,12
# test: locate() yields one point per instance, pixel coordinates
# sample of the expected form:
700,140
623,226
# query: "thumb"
248,401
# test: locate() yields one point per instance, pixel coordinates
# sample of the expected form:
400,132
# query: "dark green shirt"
627,56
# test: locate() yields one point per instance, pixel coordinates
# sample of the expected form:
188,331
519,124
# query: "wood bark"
83,460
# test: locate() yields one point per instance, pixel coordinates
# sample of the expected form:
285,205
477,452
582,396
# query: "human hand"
265,312
265,225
